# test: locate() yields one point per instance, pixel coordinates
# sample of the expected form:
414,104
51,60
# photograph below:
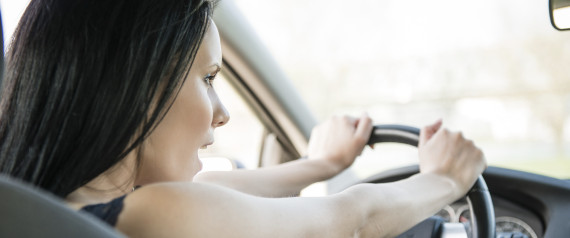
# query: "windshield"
495,70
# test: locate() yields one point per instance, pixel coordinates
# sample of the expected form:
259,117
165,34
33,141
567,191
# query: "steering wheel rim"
478,197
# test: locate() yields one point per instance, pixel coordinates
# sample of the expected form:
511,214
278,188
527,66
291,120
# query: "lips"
206,145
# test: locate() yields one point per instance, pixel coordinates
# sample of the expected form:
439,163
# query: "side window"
240,141
11,12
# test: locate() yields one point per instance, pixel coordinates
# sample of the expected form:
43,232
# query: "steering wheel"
478,197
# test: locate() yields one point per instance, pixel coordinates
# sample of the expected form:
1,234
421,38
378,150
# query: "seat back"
29,212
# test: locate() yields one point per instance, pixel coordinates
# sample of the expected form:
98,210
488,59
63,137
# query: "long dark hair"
87,81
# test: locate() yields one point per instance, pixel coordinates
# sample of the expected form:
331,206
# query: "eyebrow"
218,68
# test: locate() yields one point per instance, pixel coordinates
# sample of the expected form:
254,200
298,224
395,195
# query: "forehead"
210,52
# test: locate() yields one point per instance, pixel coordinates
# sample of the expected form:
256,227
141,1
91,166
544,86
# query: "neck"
115,182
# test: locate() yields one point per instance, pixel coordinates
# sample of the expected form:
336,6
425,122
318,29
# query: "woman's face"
170,153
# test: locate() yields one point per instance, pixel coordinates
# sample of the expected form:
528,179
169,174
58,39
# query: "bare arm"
202,210
333,147
284,180
449,165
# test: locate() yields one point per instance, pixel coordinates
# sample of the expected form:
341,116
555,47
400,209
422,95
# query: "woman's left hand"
339,140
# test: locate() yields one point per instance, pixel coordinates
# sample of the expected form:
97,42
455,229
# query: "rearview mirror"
560,14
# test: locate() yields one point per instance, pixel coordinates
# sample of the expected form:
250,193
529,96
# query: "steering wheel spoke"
454,230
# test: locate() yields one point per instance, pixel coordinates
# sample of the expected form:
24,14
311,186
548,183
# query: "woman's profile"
102,97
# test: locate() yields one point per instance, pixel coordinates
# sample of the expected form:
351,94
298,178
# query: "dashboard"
511,219
526,204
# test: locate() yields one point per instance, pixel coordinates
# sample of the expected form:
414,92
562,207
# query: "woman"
101,97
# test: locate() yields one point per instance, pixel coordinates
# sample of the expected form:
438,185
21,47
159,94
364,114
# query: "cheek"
170,153
200,112
187,122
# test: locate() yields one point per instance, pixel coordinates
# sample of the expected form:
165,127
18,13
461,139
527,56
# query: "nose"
221,114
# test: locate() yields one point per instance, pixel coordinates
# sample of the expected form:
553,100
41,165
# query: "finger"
364,127
352,120
428,131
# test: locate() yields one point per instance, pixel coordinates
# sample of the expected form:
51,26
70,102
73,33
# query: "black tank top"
108,212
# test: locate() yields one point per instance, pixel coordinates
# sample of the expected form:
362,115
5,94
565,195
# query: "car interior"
503,202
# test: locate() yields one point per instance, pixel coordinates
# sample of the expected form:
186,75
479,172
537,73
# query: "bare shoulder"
174,209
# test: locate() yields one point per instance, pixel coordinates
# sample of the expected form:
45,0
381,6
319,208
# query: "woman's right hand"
451,155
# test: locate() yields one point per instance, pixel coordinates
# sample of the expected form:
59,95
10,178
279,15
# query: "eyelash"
210,79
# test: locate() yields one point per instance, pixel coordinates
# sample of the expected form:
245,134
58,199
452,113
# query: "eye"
209,79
